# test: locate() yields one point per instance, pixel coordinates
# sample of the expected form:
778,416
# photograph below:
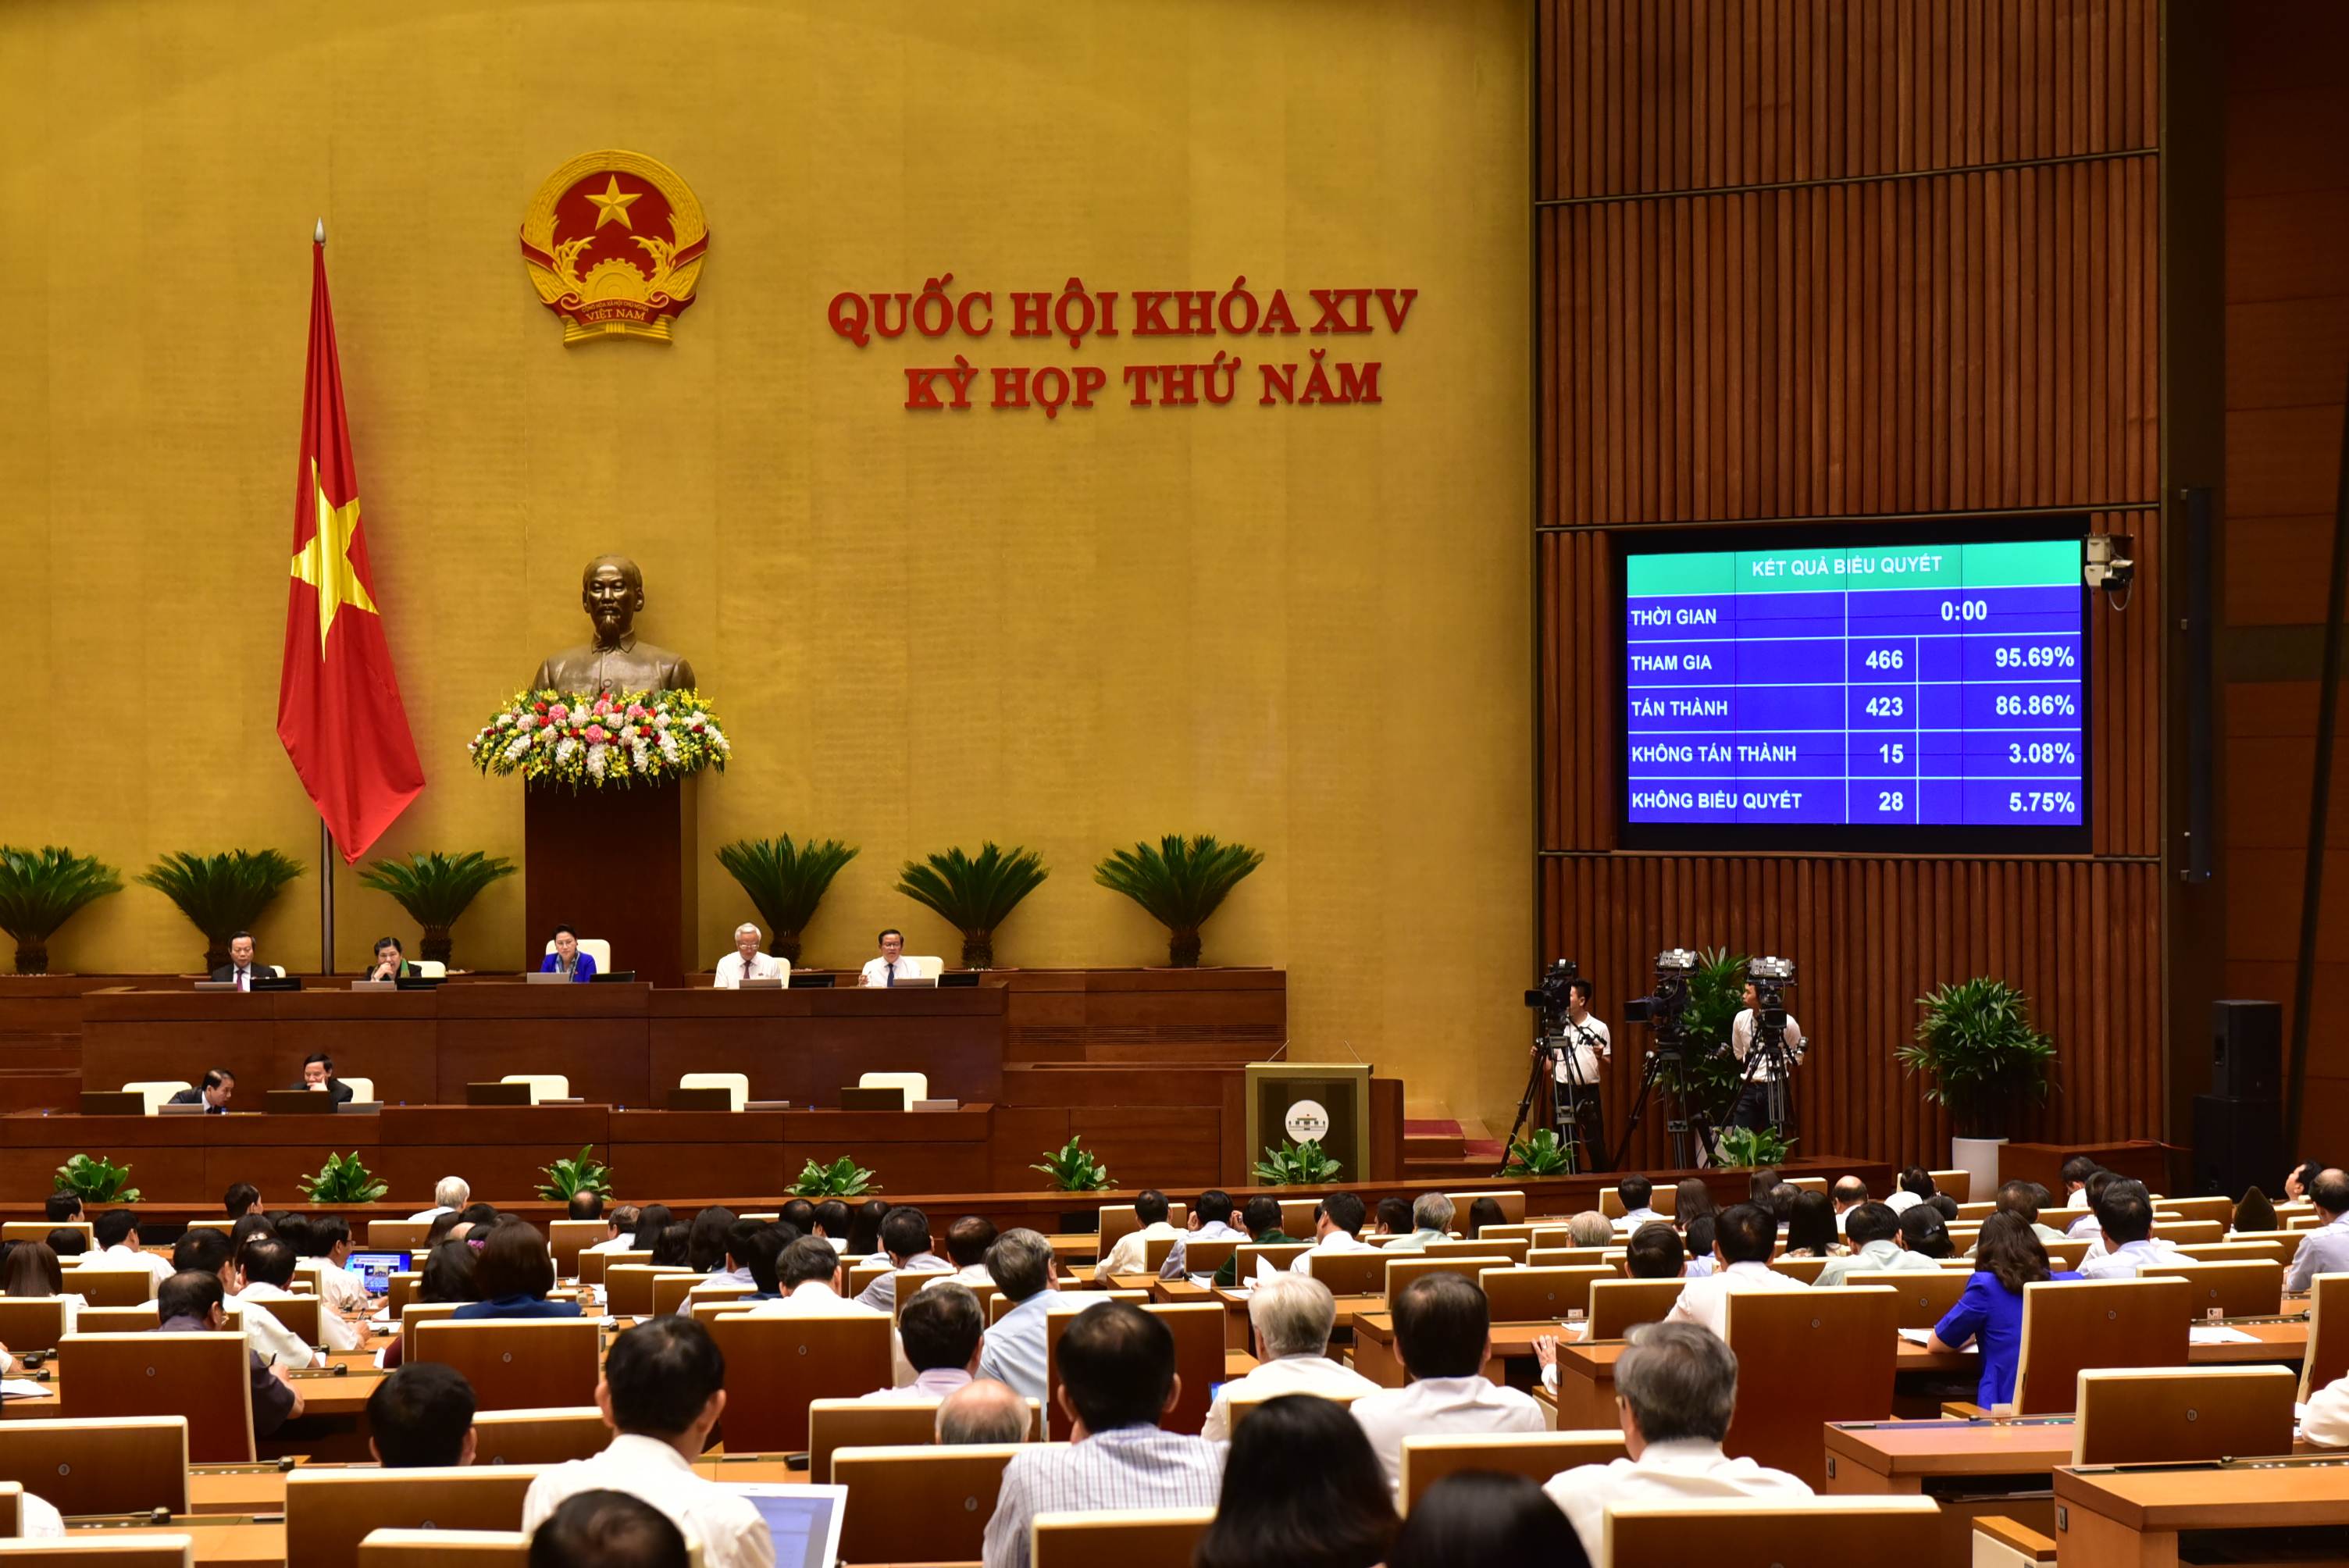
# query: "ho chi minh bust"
611,591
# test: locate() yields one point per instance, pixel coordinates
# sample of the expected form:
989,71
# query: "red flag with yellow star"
338,708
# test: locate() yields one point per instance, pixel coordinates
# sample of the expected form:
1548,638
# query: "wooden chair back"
1663,1199
672,1291
1807,1270
520,1363
32,1322
417,1315
115,1319
1512,1202
396,1235
1525,1233
1163,1538
1571,1257
2171,1415
1239,1407
2239,1251
919,1503
146,1549
1975,1214
595,1268
1198,1330
12,1509
299,1313
1119,1221
1402,1270
860,1277
915,1285
1279,1254
401,1288
1507,1247
2288,1240
114,1464
444,1549
566,1239
1754,1530
2063,1255
38,1230
2252,1287
1153,1252
776,1364
1351,1274
628,1287
1296,1216
1958,1184
539,1436
1805,1358
1537,1456
2221,1208
836,1424
330,1510
2327,1356
112,1286
2305,1221
202,1378
1619,1304
1922,1298
1206,1257
2069,1325
1540,1295
2190,1233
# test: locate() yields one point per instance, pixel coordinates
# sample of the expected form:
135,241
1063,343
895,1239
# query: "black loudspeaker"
2246,1050
2235,1141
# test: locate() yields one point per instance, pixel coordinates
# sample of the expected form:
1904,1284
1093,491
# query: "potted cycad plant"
42,889
221,895
785,881
974,894
1180,883
1979,1056
435,890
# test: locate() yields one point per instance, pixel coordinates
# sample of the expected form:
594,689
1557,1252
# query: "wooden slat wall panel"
1870,935
1975,342
1680,95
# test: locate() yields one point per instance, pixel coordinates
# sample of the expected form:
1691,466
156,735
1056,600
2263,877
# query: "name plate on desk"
374,985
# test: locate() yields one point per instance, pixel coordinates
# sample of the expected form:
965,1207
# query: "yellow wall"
1307,629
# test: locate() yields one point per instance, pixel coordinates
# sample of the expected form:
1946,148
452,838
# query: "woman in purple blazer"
566,958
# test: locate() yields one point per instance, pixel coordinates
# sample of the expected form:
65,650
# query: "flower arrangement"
611,739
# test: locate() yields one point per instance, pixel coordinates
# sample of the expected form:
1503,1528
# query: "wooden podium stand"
620,864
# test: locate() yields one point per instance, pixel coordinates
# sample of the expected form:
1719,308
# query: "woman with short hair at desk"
1989,1314
512,1276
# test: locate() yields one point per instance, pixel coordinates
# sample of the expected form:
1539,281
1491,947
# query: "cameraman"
1577,1054
1753,1107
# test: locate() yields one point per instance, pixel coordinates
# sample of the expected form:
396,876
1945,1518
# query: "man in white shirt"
268,1265
1442,1330
330,1251
1337,1228
1293,1317
1849,1193
1916,1187
1577,1056
1874,1233
968,1240
905,1239
746,961
2125,1213
1637,1193
2078,1171
1132,1253
1753,1100
2325,1250
1675,1390
1021,1263
2325,1420
1742,1236
1117,1379
1431,1221
663,1390
118,1241
2086,1226
207,1251
942,1331
450,1196
1210,1219
810,1277
619,1230
890,966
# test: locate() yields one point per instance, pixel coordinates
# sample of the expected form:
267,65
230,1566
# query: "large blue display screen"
1912,686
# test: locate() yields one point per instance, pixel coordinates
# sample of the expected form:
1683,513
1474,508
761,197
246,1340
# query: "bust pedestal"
616,864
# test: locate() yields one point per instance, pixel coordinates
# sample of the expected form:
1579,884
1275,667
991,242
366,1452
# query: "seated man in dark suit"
190,1302
218,1085
419,1416
318,1073
239,966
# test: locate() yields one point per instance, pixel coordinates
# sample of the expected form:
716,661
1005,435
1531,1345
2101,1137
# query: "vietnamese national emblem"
615,242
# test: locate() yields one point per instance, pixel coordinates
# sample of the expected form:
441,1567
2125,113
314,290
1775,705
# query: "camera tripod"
1565,1103
1676,1120
1769,1049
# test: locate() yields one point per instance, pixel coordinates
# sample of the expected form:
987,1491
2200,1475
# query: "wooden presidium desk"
2132,1516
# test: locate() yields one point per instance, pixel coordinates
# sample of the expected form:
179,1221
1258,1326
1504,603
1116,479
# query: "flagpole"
325,898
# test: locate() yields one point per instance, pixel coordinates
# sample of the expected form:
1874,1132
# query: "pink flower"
596,733
558,713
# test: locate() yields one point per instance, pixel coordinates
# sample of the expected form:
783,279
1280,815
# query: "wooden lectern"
620,864
1326,1103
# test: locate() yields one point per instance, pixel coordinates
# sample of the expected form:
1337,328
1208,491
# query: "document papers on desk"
22,1388
2219,1334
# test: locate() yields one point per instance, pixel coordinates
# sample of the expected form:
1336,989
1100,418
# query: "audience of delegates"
742,1236
69,1241
190,1302
1675,1390
1925,1233
1215,1217
585,1205
1811,1227
1391,1216
968,1240
942,1331
1742,1238
1442,1334
619,1230
669,1244
863,1244
1483,1211
1478,1518
2296,1180
2125,1216
1699,1240
31,1270
2025,1200
2078,1172
1848,1193
1874,1232
447,1276
761,1252
1590,1229
2252,1212
829,1220
1636,1194
1301,1488
612,1529
2087,1226
206,1251
450,1196
2325,1250
329,1244
654,1219
1021,1263
984,1411
1131,1255
2009,1257
809,1278
421,1417
1291,1318
64,1208
1262,1219
1117,1379
1692,1199
705,1246
514,1275
1431,1221
1337,1228
906,1244
266,1265
1916,1187
117,1245
663,1390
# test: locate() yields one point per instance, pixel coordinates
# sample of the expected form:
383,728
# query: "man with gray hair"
745,963
984,1411
450,1196
1021,1264
1675,1390
1291,1315
1591,1229
1431,1221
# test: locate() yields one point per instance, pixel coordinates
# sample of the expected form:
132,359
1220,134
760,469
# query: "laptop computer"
277,981
419,983
913,982
855,1098
813,980
959,977
616,977
547,977
804,1520
113,1102
355,1107
702,1099
763,983
198,1109
374,1269
215,985
497,1094
375,985
297,1102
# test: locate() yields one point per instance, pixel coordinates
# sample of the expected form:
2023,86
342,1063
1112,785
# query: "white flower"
595,760
660,721
668,747
642,754
505,721
527,721
563,749
516,746
718,739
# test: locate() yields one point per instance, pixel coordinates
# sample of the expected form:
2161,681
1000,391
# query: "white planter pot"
1978,1156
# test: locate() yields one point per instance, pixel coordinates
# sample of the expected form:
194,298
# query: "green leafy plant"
1539,1155
96,1181
974,894
1710,1080
843,1178
221,895
1979,1054
785,881
1179,882
1742,1148
1073,1169
436,889
42,889
581,1172
1297,1165
341,1179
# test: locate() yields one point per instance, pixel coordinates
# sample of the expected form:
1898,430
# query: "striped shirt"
1124,1468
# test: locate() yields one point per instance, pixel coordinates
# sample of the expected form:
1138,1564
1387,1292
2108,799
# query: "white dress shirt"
763,966
1883,1252
1741,1041
2124,1263
1590,1048
1705,1301
1131,1255
2325,1250
272,1340
1436,1404
813,1298
1416,1242
1337,1241
615,1245
1123,1469
2086,1226
1305,1373
1635,1218
876,971
1013,1351
1664,1472
1902,1200
2324,1421
119,1256
927,1388
726,1525
339,1287
333,1331
2078,1200
427,1216
881,1296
